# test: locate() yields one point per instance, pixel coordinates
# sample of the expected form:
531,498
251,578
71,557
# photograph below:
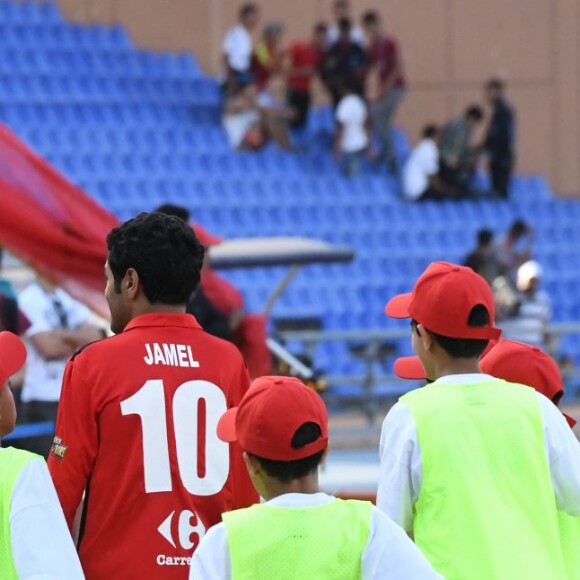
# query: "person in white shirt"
35,541
462,449
299,532
420,172
352,139
237,48
342,9
59,326
534,308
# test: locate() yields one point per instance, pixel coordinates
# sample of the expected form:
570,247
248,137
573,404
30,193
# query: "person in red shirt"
268,57
136,426
305,59
385,57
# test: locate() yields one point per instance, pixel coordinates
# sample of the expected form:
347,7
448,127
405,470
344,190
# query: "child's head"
282,426
452,315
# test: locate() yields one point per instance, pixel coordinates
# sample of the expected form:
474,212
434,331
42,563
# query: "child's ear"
425,336
252,464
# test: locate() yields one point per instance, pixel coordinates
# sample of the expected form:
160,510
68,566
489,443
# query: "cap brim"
398,307
12,355
409,367
226,427
570,420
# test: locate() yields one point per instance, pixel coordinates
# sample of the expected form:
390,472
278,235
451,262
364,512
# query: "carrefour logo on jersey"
171,355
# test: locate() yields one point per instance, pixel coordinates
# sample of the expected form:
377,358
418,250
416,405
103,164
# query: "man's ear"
425,336
131,283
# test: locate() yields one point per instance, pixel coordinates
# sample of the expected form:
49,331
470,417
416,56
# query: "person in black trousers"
499,143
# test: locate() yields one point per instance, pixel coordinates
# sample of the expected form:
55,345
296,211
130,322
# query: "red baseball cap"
12,355
410,367
269,415
517,362
442,300
206,238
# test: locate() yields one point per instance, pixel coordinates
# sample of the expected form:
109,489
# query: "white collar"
298,500
467,378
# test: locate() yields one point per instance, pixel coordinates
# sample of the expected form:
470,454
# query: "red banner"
51,224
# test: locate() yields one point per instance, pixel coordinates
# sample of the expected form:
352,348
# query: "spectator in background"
457,156
420,172
345,62
11,317
352,139
483,260
268,57
305,59
532,315
60,326
342,10
385,58
250,125
500,141
237,48
514,248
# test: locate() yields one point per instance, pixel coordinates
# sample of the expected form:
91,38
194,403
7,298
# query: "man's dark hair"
286,471
466,347
495,84
474,112
163,250
248,10
484,237
519,228
341,3
430,131
174,210
370,18
344,25
320,27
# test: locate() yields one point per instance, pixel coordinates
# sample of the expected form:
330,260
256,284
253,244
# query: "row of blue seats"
29,11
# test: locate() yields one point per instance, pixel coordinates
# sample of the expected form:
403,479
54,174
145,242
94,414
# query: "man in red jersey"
136,427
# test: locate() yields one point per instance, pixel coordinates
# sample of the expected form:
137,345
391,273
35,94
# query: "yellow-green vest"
486,508
12,461
279,543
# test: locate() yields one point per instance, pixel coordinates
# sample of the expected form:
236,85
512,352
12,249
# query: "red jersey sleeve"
76,441
221,293
244,493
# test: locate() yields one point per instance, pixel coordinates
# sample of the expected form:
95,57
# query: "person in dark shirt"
482,260
345,61
385,59
499,142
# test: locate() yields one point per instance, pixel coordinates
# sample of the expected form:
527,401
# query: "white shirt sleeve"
343,111
211,560
42,546
431,159
563,452
401,469
390,553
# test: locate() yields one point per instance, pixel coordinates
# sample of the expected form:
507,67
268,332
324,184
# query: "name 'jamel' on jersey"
136,433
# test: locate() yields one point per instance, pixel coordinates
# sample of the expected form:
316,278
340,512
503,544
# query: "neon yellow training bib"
486,509
277,543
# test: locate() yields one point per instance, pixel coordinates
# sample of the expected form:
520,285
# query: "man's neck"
456,366
159,309
304,485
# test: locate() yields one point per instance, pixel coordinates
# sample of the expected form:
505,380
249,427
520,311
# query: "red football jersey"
136,431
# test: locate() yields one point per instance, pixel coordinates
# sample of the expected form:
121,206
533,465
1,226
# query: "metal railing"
372,348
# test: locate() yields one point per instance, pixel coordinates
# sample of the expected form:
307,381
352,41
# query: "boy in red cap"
299,532
34,538
456,454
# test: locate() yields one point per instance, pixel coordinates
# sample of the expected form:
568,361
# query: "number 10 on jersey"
149,403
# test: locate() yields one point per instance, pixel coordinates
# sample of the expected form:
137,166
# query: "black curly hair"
163,250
